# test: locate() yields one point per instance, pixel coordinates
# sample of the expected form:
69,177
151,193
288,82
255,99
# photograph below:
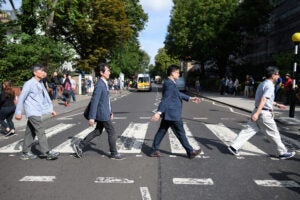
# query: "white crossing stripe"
227,136
17,146
112,180
132,139
193,181
276,183
145,193
176,146
66,147
37,179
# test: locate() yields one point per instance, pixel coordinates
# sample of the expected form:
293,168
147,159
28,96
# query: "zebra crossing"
133,138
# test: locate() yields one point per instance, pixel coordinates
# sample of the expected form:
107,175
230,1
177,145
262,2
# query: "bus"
143,82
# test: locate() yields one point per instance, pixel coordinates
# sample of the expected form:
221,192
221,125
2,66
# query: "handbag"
87,111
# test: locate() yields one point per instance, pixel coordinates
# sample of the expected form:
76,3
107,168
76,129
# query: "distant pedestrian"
222,86
277,87
7,109
100,112
262,118
198,85
53,84
36,102
288,89
169,110
73,86
247,86
67,90
235,86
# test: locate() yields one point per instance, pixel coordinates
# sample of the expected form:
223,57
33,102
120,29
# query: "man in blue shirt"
36,102
262,118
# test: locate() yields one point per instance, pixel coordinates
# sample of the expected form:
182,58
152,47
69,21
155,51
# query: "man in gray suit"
169,110
100,112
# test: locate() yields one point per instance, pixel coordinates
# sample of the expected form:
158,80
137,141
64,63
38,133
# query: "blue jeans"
177,127
7,113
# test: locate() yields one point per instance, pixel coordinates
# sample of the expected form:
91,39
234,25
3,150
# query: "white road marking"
17,146
145,193
37,179
132,138
145,117
200,118
113,180
69,117
120,117
176,146
227,136
193,181
66,147
276,183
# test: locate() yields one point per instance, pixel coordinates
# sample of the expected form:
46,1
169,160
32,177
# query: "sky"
153,36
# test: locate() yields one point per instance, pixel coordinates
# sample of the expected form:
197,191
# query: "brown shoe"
155,154
194,153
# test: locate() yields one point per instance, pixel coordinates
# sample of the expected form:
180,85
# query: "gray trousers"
35,128
267,125
112,137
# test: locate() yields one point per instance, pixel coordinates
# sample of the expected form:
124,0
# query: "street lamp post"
296,40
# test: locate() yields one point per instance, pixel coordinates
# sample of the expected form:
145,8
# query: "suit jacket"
100,106
171,103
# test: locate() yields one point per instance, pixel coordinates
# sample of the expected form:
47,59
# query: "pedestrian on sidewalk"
7,109
100,112
169,110
262,118
36,102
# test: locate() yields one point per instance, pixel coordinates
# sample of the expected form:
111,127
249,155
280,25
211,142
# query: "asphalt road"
214,175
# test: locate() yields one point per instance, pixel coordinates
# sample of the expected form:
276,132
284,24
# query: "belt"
270,110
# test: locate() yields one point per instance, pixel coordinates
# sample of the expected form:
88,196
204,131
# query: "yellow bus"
143,82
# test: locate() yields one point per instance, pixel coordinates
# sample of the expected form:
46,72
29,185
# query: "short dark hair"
271,70
171,69
37,67
101,68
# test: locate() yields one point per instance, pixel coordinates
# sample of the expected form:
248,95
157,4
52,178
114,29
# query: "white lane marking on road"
37,179
193,181
145,193
66,147
227,136
145,117
16,147
276,183
69,117
113,180
132,138
176,146
200,118
120,117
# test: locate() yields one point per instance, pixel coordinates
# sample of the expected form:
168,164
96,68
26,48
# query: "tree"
162,61
92,27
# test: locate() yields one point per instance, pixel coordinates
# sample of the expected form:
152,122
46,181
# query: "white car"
180,83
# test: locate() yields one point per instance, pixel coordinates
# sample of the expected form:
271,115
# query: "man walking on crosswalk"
262,118
36,102
169,110
100,112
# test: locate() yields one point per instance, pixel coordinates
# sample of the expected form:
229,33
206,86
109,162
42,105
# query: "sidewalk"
247,104
60,108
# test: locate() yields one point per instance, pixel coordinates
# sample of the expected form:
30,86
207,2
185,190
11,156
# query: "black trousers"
112,138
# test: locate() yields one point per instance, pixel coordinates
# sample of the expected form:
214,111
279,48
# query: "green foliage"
162,61
92,27
20,56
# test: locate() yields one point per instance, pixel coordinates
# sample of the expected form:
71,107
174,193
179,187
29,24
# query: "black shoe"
194,153
50,155
117,157
233,151
155,154
78,150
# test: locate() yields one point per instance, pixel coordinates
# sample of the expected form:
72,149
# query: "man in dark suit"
169,110
100,112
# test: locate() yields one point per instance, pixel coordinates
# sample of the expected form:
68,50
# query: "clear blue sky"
153,36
